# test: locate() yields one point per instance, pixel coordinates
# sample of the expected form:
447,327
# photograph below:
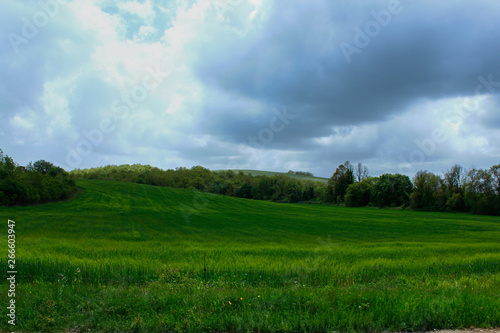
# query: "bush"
392,191
38,182
359,194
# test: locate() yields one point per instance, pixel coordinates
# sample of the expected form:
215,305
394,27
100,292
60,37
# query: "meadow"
132,257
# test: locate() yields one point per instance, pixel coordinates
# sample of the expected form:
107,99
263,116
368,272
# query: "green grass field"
273,173
130,257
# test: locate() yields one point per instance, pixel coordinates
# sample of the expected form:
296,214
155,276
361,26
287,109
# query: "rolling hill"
125,256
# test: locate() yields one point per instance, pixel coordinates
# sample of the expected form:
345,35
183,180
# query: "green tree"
361,172
426,186
308,193
293,190
279,191
7,166
340,181
245,191
264,189
495,172
42,166
359,194
453,179
481,191
392,190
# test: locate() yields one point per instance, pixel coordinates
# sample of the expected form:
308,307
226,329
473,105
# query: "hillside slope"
131,257
134,215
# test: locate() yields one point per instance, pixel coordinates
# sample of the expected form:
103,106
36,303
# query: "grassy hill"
272,173
131,257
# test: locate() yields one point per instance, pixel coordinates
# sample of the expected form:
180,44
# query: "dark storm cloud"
275,85
427,50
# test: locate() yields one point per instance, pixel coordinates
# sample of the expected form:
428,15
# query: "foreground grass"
191,305
128,257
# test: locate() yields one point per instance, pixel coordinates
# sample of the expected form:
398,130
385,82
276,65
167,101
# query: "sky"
399,86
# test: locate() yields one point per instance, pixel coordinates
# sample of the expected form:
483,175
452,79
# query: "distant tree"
479,181
426,187
219,186
279,188
456,203
264,189
487,205
229,174
321,192
481,191
7,166
12,192
453,179
42,166
185,182
38,182
308,193
300,173
392,190
495,173
476,190
293,189
359,193
361,172
245,191
199,183
340,181
56,171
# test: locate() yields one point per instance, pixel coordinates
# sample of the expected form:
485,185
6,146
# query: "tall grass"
122,257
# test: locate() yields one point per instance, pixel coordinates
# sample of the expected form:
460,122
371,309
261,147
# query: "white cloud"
144,33
254,56
24,121
90,17
57,112
144,10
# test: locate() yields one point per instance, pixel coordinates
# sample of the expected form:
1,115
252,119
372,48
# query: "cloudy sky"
400,86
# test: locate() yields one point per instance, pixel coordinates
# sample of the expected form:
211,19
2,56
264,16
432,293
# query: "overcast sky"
400,86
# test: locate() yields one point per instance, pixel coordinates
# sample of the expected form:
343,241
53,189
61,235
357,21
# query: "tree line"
37,182
279,188
476,190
